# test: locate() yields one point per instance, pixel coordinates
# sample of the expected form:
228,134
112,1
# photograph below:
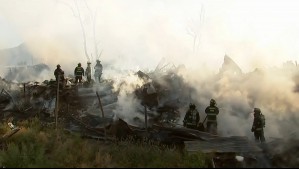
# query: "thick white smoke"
128,106
136,34
272,90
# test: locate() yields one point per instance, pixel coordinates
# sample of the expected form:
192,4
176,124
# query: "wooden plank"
9,134
187,132
223,145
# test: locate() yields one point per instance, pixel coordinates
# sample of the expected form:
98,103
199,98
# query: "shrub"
37,146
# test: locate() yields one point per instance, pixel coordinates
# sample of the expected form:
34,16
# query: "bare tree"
95,41
194,30
76,9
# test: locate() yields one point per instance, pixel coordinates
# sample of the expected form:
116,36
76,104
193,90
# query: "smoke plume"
136,34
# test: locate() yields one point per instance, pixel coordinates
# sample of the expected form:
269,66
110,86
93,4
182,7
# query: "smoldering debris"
163,96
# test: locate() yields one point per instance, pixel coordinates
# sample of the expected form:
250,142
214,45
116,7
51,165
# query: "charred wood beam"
105,138
100,103
86,126
9,134
185,131
14,102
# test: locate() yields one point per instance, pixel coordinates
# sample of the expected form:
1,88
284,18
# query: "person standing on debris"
88,72
191,119
98,71
59,71
212,111
79,72
258,125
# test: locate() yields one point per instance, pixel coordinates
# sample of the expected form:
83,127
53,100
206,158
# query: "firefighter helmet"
257,110
212,102
192,106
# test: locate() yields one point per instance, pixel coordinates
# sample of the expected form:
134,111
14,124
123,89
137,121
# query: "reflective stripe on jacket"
192,117
79,71
212,112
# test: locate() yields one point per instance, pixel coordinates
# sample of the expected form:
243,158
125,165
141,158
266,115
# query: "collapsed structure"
161,101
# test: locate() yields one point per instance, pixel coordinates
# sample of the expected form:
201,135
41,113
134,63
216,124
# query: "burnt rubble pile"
90,109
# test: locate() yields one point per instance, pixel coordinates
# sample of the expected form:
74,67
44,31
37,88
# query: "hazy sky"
139,33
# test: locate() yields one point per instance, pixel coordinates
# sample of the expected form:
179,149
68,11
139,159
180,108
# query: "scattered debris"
9,134
162,95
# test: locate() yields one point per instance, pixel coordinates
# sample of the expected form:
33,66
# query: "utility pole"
101,107
57,102
145,118
24,85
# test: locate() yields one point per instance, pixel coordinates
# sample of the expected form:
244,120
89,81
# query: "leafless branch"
92,16
83,30
94,34
194,30
100,54
69,6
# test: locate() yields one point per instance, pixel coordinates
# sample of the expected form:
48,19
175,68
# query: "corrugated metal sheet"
237,144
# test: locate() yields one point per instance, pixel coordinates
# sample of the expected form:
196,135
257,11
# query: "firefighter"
212,111
79,72
191,119
98,71
258,125
88,72
59,71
